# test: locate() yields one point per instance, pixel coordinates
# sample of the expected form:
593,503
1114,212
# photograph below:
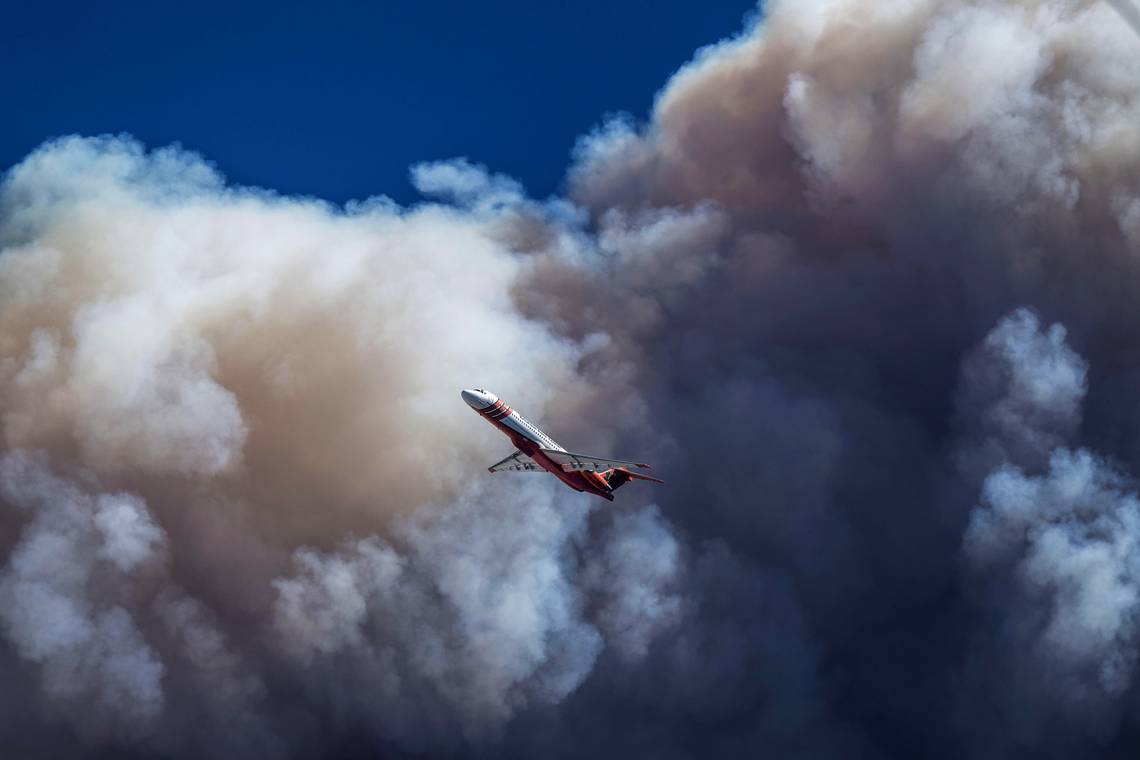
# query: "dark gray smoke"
863,287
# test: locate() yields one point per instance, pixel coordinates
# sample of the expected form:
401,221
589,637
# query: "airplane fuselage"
531,440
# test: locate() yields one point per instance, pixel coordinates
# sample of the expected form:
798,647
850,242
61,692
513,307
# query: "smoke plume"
862,287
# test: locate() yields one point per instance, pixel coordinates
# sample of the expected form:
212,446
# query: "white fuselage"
492,407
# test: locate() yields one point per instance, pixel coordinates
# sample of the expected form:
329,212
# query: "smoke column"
863,287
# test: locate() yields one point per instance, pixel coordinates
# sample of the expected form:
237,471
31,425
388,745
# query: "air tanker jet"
538,452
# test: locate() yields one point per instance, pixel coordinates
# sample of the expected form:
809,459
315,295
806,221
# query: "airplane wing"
578,462
517,462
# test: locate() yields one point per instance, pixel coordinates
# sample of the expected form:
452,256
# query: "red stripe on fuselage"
496,411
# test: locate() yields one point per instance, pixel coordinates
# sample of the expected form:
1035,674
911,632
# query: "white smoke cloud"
1068,530
65,594
1023,390
635,576
483,607
1072,533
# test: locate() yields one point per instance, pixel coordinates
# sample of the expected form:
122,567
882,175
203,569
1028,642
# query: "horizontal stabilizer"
640,476
516,462
572,462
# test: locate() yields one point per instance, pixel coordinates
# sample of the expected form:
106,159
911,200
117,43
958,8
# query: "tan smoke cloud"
239,382
155,324
837,102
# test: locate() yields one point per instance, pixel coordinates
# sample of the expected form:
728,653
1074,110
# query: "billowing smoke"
863,287
94,660
238,464
1053,541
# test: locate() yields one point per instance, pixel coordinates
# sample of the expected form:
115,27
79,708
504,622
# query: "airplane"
537,452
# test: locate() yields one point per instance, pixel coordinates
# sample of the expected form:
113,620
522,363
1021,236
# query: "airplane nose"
477,399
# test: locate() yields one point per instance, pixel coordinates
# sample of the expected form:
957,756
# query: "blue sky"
336,99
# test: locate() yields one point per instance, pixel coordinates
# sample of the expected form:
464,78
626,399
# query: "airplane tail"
619,476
